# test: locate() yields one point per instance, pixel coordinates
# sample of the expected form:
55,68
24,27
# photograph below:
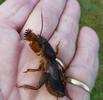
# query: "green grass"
92,15
1,1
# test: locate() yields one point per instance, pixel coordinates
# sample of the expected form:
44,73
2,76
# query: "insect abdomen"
55,87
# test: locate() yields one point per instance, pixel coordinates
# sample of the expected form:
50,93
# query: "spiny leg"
66,92
32,70
70,98
43,79
57,48
28,86
41,67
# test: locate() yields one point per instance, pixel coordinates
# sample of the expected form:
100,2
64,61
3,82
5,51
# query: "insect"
53,74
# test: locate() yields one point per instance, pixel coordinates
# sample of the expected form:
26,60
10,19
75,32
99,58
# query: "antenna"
41,23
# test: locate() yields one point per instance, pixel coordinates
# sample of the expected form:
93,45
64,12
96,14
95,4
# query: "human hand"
16,55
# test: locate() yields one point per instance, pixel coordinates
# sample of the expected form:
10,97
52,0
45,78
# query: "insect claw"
28,31
25,35
25,71
18,86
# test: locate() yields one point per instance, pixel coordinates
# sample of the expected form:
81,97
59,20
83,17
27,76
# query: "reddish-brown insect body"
53,77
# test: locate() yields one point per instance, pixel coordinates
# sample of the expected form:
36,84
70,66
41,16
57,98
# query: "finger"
33,23
67,31
16,12
9,52
84,66
51,14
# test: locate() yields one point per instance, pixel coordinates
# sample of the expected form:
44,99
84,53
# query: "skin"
16,56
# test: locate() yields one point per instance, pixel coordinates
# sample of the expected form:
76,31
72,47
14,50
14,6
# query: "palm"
16,55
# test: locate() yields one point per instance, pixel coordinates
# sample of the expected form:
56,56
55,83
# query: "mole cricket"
53,73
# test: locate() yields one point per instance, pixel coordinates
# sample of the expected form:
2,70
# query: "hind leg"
57,48
43,79
34,70
41,67
28,86
66,92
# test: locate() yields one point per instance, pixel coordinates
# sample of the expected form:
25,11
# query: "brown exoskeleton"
53,76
